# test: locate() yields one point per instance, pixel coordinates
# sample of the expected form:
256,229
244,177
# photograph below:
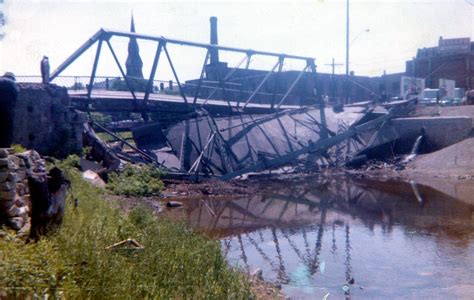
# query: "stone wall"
46,122
15,199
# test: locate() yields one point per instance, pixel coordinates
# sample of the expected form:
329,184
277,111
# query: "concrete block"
440,131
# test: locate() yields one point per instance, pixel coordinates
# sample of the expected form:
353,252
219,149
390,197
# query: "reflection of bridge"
288,222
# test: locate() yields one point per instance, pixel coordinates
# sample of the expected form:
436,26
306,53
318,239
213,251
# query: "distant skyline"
309,28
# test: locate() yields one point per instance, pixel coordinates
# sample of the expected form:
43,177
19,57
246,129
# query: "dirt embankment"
453,161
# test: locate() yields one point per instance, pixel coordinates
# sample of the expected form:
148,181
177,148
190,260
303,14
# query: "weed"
18,148
136,181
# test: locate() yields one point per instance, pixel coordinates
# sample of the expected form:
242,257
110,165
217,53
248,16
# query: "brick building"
451,59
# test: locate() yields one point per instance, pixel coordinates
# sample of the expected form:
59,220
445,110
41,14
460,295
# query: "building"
134,62
451,59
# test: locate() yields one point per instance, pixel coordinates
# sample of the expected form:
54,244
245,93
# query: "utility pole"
333,79
347,52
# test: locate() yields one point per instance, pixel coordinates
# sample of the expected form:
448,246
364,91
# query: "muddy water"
392,239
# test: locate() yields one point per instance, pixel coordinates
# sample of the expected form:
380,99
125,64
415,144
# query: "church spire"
134,63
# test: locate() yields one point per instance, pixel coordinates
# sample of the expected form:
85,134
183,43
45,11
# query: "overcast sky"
309,28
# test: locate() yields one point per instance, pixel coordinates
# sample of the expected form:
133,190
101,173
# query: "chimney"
214,52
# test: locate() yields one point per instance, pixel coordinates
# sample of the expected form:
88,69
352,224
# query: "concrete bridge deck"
123,101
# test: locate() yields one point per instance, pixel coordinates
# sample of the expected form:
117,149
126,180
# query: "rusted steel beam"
320,145
277,77
175,74
292,86
203,70
324,133
201,45
129,86
223,82
149,85
94,69
197,162
263,82
76,54
143,154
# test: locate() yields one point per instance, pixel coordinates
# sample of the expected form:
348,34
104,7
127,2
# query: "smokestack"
214,52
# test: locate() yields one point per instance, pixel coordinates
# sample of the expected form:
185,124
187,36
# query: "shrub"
136,181
18,148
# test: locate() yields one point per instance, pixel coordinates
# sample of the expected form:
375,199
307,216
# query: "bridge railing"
80,84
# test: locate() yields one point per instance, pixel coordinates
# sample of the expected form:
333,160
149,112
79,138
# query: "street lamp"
347,49
358,35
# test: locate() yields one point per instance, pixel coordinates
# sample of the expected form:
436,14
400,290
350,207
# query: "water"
394,239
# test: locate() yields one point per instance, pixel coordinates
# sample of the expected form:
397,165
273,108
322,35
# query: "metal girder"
99,34
320,145
280,61
149,85
324,133
277,77
175,74
292,86
223,81
203,70
201,45
129,86
94,69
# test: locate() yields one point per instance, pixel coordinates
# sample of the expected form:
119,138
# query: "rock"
258,274
14,159
3,176
12,177
14,211
174,204
8,195
7,186
17,223
93,178
19,202
4,153
21,174
4,162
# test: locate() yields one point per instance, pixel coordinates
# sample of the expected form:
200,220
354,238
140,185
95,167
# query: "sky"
384,33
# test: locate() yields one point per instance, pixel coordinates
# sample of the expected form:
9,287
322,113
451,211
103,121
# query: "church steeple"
134,63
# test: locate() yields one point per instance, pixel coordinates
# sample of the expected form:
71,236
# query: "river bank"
342,235
102,252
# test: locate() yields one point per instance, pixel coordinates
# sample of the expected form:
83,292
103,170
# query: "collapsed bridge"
213,126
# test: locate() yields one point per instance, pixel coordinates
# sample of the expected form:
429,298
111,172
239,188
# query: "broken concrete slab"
94,179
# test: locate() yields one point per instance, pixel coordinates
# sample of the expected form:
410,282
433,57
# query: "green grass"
176,262
126,135
137,181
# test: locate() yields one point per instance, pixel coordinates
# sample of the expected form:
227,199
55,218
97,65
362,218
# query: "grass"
136,181
73,263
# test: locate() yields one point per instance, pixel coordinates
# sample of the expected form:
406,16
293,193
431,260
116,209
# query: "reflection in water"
348,237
